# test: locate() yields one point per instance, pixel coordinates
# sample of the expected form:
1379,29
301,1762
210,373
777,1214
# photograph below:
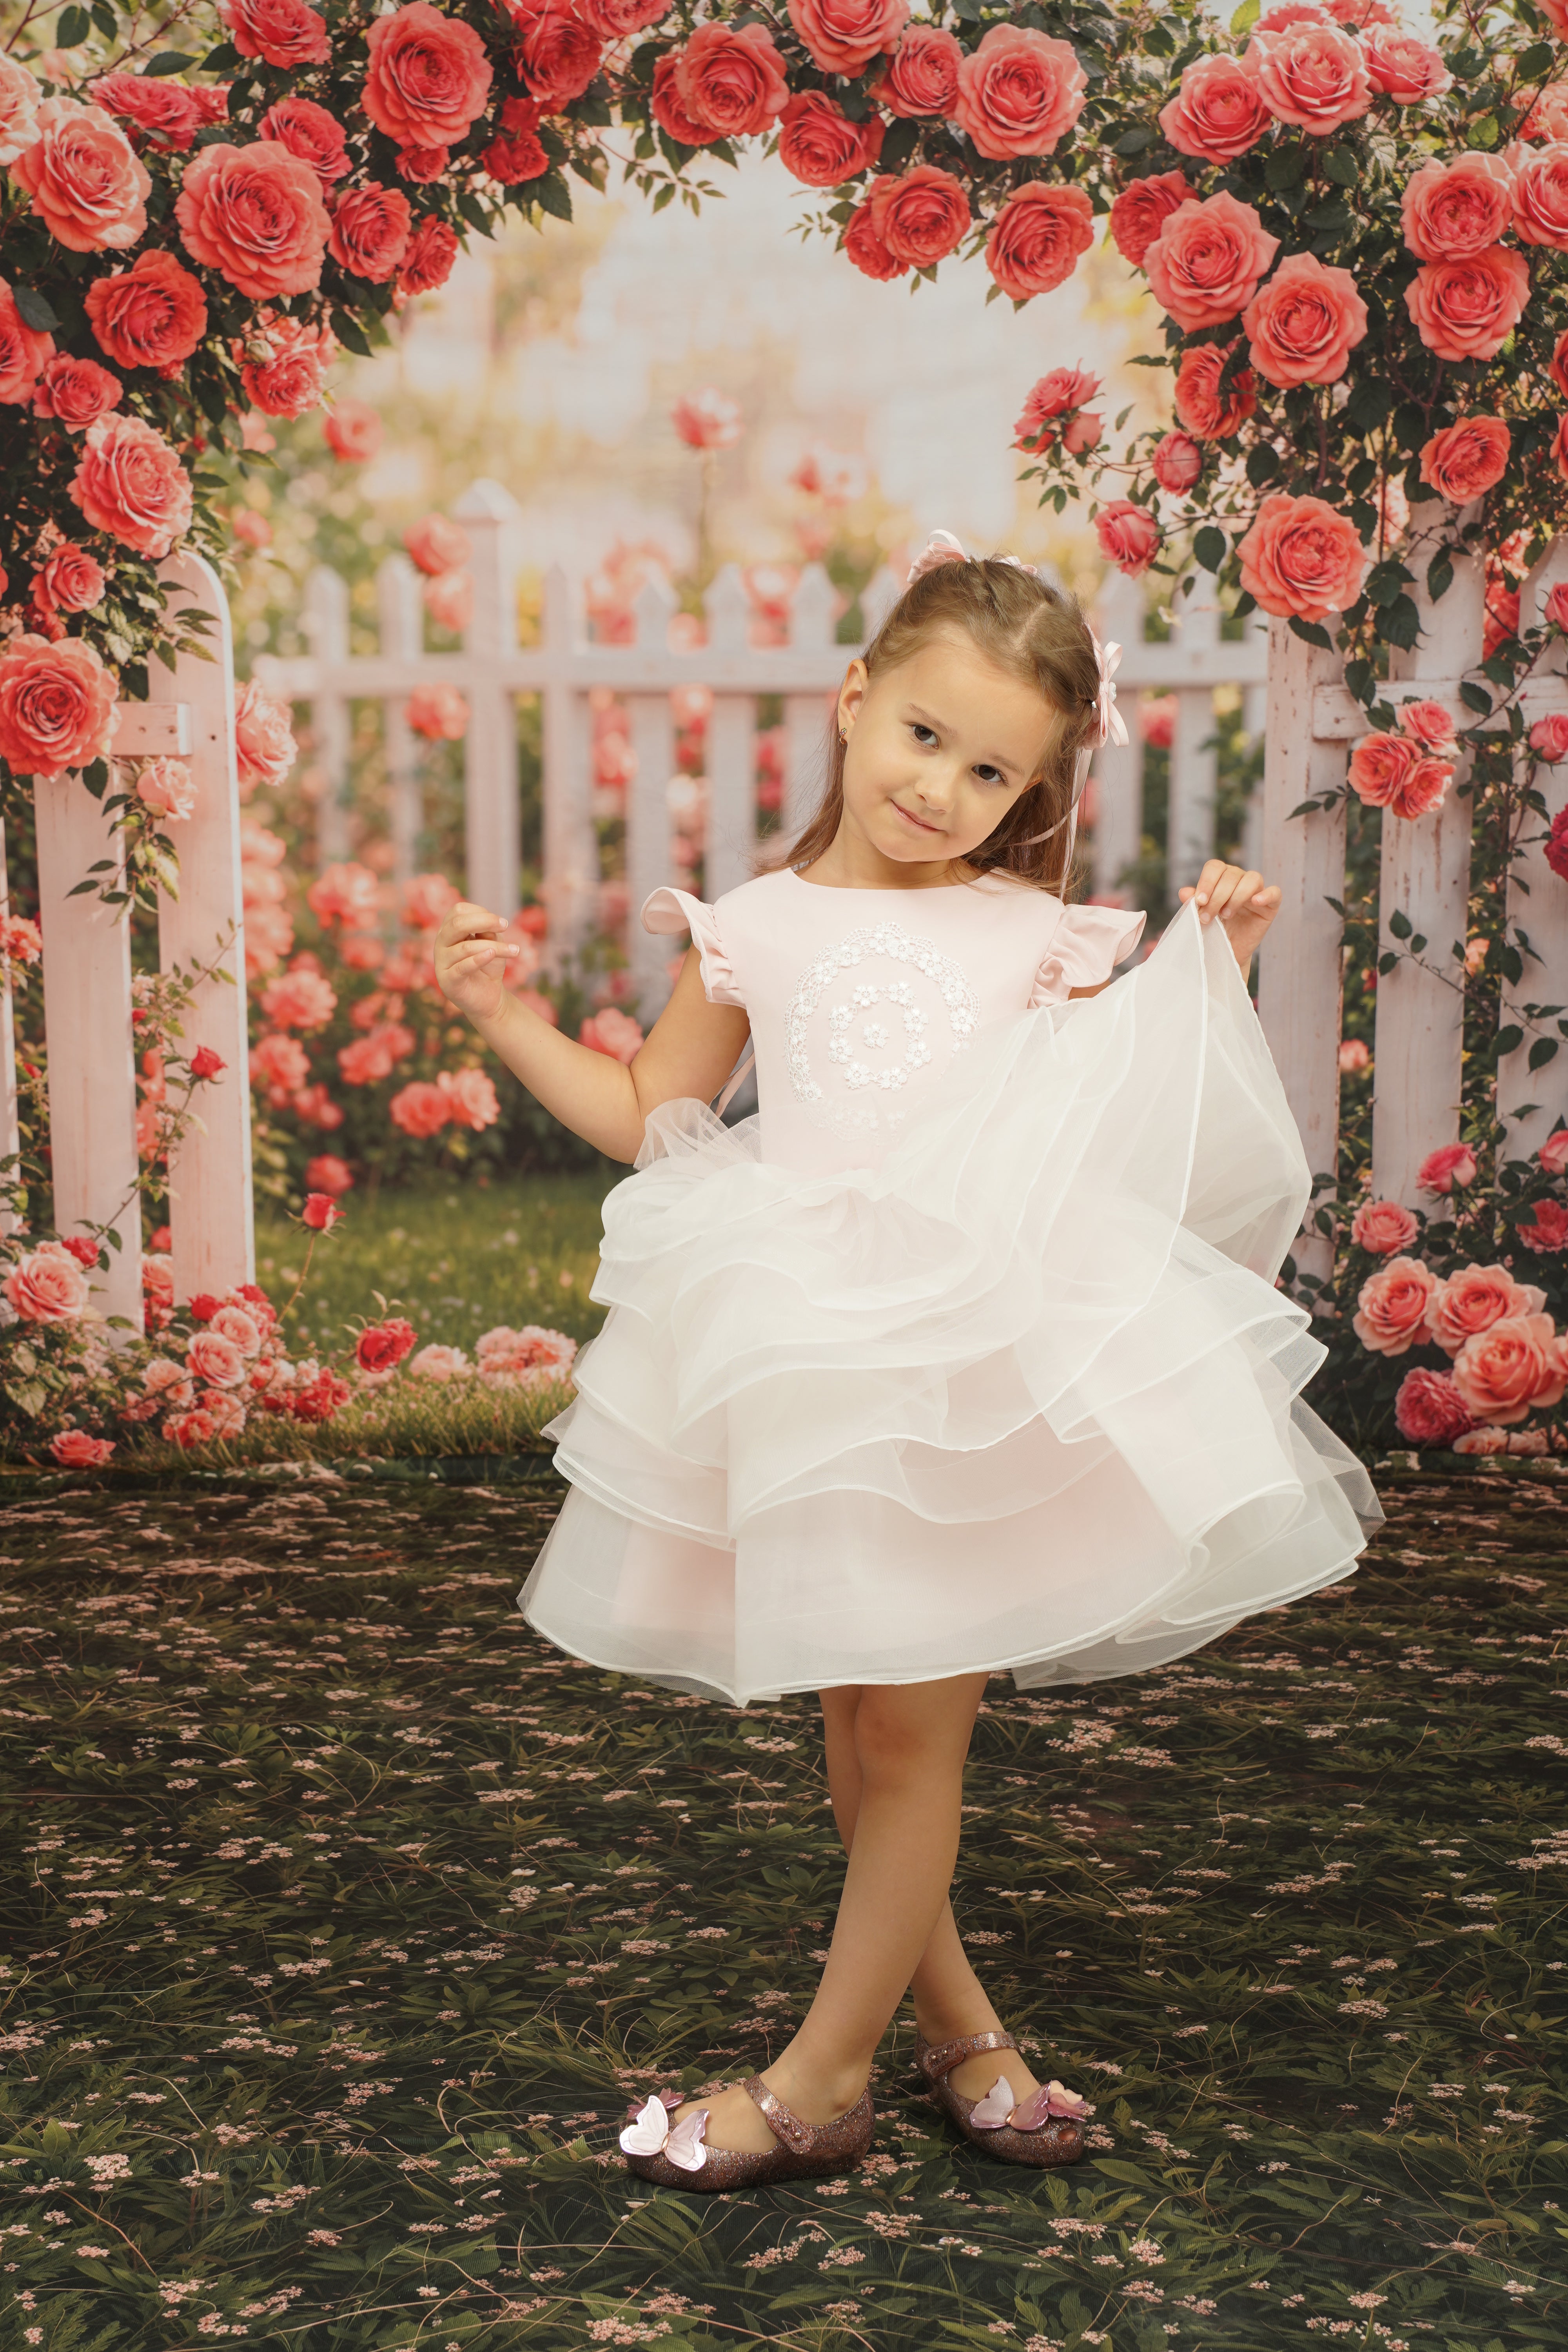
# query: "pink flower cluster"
1507,1356
465,1098
1407,770
533,1357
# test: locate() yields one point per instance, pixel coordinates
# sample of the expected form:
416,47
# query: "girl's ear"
852,695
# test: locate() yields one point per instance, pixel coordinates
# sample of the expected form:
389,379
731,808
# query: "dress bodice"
859,999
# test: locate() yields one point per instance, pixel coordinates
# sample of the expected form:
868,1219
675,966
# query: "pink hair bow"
652,2134
942,547
1112,726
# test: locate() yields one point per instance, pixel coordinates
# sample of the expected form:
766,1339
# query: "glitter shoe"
1044,2131
680,2158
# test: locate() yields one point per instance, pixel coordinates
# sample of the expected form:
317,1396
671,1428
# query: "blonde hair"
1030,629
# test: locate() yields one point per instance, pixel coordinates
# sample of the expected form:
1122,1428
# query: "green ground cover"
341,1917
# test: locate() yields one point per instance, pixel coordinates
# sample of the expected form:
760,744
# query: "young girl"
964,1354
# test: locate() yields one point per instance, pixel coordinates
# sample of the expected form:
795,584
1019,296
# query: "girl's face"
937,750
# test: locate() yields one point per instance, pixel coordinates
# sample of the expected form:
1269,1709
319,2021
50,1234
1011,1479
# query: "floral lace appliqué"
866,1018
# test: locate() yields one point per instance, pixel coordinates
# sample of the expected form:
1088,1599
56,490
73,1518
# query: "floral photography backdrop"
1355,237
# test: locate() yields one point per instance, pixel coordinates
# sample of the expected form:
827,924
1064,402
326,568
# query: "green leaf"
96,778
1400,624
167,61
1284,168
1262,464
1311,633
1209,548
73,28
1399,924
1246,17
1536,62
1133,142
1343,166
553,196
1474,697
1418,944
664,196
1542,1051
1510,1039
222,59
37,311
1439,575
1486,131
1386,964
349,333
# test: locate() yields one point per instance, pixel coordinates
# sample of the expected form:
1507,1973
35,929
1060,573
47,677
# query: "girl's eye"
990,776
924,735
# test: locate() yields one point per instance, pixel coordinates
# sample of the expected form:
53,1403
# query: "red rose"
206,1064
919,216
1128,535
420,165
1429,1410
1541,199
310,132
432,249
320,1213
25,352
1037,239
1466,459
255,214
280,32
82,173
57,706
154,314
666,109
326,1395
130,483
1450,210
1422,788
1141,210
436,545
1061,391
285,365
370,228
1557,365
512,160
1310,75
70,581
1018,93
164,110
922,79
1205,264
1177,464
1379,766
75,393
83,1248
1217,113
429,78
203,1306
1301,557
382,1345
870,256
823,147
354,431
329,1174
1305,322
614,19
1208,414
842,36
732,83
1467,309
557,54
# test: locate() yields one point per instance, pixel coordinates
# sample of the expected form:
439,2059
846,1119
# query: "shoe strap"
941,2059
782,2121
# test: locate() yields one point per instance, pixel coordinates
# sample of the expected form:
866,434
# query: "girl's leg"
949,1998
909,1743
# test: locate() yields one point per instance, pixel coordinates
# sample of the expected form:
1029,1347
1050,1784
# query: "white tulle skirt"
1026,1396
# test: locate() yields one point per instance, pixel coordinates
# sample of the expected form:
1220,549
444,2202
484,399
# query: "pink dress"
965,1352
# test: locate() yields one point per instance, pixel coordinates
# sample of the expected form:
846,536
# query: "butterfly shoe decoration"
1044,2130
677,2154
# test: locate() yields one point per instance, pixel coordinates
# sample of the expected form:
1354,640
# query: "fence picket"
489,514
10,1106
571,853
326,625
731,746
1118,767
401,611
649,859
1529,1101
1194,769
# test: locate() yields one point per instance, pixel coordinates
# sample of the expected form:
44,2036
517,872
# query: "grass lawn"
454,1259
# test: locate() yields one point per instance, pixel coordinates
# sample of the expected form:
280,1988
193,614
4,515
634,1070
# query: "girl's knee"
900,1731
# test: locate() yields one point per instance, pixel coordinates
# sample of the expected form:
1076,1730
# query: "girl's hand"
470,961
1244,904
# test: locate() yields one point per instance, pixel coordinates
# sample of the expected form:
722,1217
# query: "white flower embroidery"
930,1012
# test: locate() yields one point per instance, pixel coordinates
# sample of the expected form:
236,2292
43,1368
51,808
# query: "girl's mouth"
919,822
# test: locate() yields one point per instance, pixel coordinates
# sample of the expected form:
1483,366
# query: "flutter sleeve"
670,910
1087,945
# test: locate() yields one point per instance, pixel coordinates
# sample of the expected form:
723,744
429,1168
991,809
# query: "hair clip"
942,547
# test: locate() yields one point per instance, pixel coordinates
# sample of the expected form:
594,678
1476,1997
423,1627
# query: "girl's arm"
691,1050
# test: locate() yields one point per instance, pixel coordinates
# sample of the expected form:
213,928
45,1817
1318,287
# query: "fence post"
571,846
492,818
648,860
326,621
1528,1101
806,716
86,1029
1118,767
1424,872
1300,966
10,1108
1190,822
402,612
210,1207
732,747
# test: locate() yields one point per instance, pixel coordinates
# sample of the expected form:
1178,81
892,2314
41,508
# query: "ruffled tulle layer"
1026,1396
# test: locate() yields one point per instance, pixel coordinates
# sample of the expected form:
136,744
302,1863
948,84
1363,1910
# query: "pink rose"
75,393
1157,720
1382,1227
1473,1299
1036,237
87,185
168,788
732,84
1312,76
20,99
1559,447
188,1429
436,1362
279,1064
1549,738
353,431
47,1285
1128,536
1451,1164
1205,264
428,80
612,1033
1430,724
1177,463
471,1099
1423,787
344,894
865,248
370,228
285,370
920,216
439,713
300,999
239,1328
436,545
1553,1154
1301,558
614,19
1216,113
668,109
823,147
1209,413
280,32
432,249
70,582
449,600
1060,393
310,132
428,900
1467,309
922,79
1483,1442
329,1174
77,1451
1082,433
1305,322
255,214
1429,1410
263,738
1141,210
1391,1313
421,1110
24,353
166,111
1453,211
1404,69
1541,199
152,315
842,36
1379,766
57,706
1514,1365
708,419
1548,1229
1548,115
1018,93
